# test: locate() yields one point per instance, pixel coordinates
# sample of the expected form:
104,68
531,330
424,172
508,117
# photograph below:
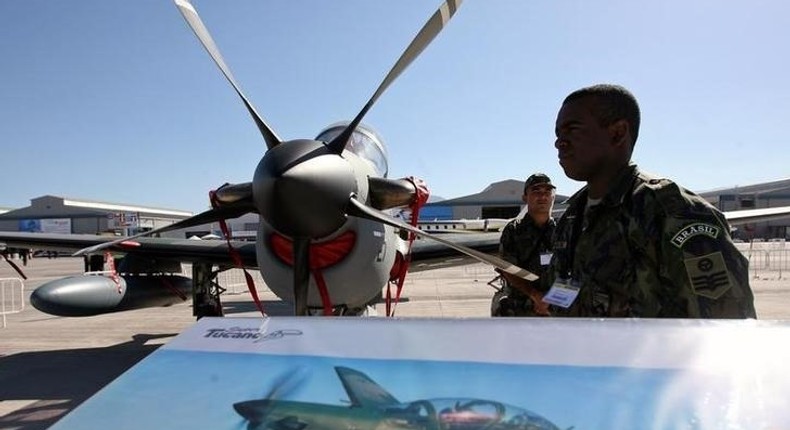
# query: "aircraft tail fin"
363,391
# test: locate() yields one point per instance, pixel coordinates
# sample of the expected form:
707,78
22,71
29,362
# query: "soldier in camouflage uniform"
631,244
526,242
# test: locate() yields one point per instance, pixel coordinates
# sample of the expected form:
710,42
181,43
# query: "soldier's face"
583,146
539,198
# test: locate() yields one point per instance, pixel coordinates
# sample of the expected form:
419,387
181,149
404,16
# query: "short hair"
612,103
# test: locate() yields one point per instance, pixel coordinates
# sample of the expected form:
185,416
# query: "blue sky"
117,101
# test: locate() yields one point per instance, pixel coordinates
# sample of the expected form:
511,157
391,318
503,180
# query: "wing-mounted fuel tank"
138,283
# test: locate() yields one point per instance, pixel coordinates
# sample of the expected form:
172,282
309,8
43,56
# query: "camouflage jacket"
649,249
522,243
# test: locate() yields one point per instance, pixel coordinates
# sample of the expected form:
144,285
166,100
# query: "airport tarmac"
49,365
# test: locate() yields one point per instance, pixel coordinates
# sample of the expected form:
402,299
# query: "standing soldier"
526,242
632,244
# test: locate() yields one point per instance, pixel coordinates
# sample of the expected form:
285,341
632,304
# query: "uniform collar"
528,220
617,191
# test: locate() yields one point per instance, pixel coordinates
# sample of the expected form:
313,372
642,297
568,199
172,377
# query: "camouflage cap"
537,178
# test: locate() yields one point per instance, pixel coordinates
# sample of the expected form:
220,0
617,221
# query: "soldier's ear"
620,133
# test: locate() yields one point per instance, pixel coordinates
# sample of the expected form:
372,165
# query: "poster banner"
56,225
445,374
46,225
30,225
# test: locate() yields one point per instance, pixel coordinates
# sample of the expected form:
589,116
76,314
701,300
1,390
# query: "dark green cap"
537,178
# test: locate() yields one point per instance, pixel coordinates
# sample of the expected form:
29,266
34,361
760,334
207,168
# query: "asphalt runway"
49,365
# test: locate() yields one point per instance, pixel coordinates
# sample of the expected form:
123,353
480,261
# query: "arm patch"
695,229
708,275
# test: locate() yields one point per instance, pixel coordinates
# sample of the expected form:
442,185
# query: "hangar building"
499,200
503,200
764,195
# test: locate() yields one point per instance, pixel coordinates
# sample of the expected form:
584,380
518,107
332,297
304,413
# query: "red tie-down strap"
234,255
322,255
109,265
401,265
169,285
14,266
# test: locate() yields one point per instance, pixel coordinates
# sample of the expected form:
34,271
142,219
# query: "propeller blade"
287,383
232,193
196,24
301,249
229,211
428,32
359,209
257,411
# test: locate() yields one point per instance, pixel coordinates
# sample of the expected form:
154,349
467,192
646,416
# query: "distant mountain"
432,198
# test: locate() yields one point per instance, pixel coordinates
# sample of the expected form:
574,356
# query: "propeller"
304,189
284,385
428,32
194,21
359,209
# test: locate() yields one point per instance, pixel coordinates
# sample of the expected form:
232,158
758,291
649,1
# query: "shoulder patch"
708,275
695,229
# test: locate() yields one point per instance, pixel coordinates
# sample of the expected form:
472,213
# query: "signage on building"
46,225
122,219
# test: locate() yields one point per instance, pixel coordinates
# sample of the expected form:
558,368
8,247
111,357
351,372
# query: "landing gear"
344,311
205,291
94,263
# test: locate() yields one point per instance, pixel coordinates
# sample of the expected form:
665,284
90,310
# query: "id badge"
545,258
562,293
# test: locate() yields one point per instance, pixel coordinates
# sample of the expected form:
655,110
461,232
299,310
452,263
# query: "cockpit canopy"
364,142
466,414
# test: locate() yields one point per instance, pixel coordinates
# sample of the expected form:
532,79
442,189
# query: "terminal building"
54,214
500,200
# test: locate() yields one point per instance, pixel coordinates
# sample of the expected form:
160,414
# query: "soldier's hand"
538,305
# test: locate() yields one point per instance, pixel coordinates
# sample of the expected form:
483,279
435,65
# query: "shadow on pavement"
63,379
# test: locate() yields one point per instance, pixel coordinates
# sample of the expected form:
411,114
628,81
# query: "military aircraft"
373,407
324,240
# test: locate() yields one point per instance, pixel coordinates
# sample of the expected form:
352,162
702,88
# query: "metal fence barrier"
12,300
769,263
767,259
232,280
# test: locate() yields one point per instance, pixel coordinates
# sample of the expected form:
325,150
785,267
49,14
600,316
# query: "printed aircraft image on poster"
371,406
324,242
321,373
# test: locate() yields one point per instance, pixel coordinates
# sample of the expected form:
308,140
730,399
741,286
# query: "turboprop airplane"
324,241
373,407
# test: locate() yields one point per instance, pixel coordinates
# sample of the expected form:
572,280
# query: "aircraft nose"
253,411
78,295
301,190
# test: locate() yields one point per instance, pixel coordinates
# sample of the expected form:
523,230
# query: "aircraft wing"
426,254
757,215
185,250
